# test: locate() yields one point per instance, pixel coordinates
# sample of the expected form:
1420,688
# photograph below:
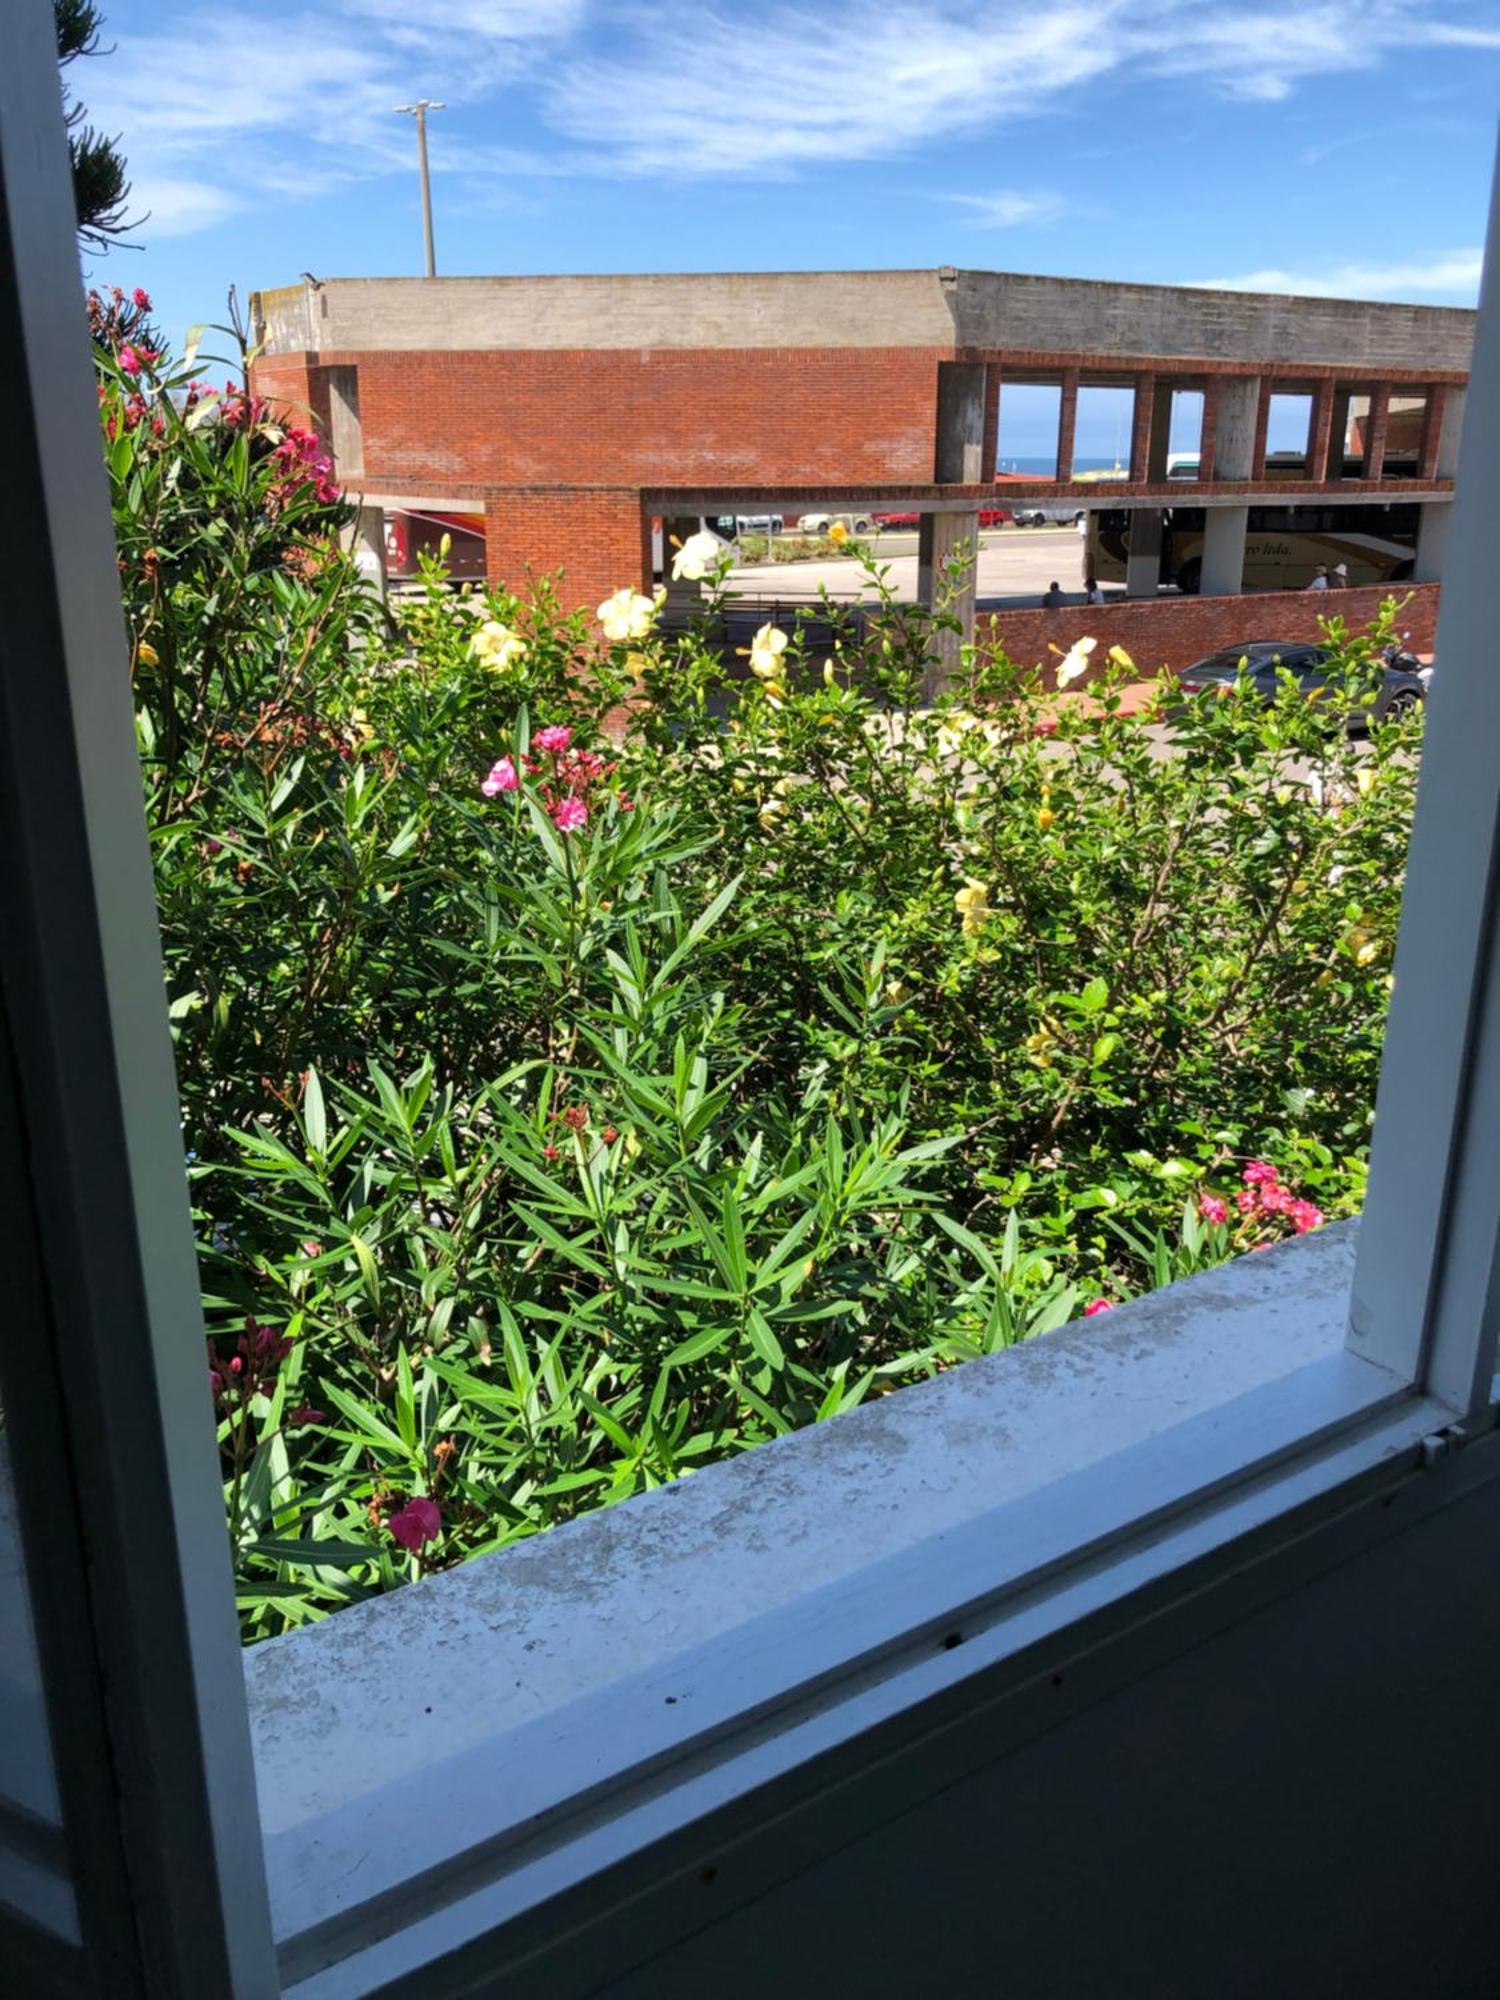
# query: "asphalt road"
1015,567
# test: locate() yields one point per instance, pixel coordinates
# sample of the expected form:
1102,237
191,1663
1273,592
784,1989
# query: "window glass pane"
34,1877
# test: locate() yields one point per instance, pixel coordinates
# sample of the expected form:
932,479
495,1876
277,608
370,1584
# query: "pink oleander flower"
1305,1215
570,815
130,361
1099,1306
142,298
1275,1200
554,737
1259,1173
417,1522
1247,1200
1213,1209
503,778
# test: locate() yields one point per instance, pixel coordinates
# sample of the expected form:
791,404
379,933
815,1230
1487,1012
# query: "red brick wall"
598,536
295,390
1175,631
653,417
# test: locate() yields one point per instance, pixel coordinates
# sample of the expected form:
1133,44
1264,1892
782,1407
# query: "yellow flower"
1075,661
770,812
1039,1046
766,649
627,615
696,557
1366,779
497,645
147,655
973,904
1121,658
445,546
829,679
897,992
1362,945
1045,818
838,532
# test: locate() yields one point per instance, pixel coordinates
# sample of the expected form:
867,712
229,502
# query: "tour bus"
1284,546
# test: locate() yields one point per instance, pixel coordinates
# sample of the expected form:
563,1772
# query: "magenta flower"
142,298
1305,1215
553,737
503,778
417,1522
1212,1208
130,361
1259,1173
570,815
1099,1306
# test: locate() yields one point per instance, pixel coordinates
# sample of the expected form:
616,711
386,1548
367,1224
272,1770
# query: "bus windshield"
1285,545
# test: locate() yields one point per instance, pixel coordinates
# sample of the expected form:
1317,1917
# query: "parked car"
1063,515
819,524
1260,659
994,517
896,520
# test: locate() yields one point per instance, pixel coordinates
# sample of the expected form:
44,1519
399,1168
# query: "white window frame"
828,1710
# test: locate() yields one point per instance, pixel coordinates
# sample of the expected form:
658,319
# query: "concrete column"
1432,526
366,543
1319,429
1208,436
1450,434
1236,432
1158,450
1432,540
943,540
1067,422
1338,431
1432,431
1262,426
991,421
958,453
1223,570
1143,558
1140,430
1377,421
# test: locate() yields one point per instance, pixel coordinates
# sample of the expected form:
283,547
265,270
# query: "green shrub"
570,1106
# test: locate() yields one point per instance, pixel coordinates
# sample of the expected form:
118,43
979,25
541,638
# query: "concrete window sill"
468,1728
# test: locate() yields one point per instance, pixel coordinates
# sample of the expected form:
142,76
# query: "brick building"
567,412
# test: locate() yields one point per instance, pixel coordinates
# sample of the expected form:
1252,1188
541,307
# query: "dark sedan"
1261,659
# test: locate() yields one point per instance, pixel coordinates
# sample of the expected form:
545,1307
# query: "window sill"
451,1754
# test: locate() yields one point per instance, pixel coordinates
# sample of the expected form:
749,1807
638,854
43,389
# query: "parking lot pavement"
1015,567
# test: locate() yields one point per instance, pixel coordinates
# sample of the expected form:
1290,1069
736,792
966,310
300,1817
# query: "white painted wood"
1425,1298
107,1405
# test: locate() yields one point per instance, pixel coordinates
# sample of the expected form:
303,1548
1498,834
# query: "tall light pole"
419,111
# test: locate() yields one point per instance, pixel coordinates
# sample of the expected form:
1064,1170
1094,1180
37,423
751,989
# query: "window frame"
137,1630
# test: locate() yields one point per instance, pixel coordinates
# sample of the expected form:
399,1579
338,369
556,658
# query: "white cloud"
221,107
179,207
761,94
1004,209
1452,271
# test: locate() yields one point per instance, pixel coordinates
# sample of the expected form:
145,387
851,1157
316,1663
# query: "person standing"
1320,580
1340,577
1053,599
1092,590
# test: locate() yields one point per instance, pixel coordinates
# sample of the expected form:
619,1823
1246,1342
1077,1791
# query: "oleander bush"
599,1055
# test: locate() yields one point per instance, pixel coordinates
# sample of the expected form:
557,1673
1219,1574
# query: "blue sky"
1332,146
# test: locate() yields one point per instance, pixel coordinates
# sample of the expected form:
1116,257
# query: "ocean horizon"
1045,465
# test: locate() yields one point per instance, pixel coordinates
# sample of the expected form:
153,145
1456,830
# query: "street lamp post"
419,111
